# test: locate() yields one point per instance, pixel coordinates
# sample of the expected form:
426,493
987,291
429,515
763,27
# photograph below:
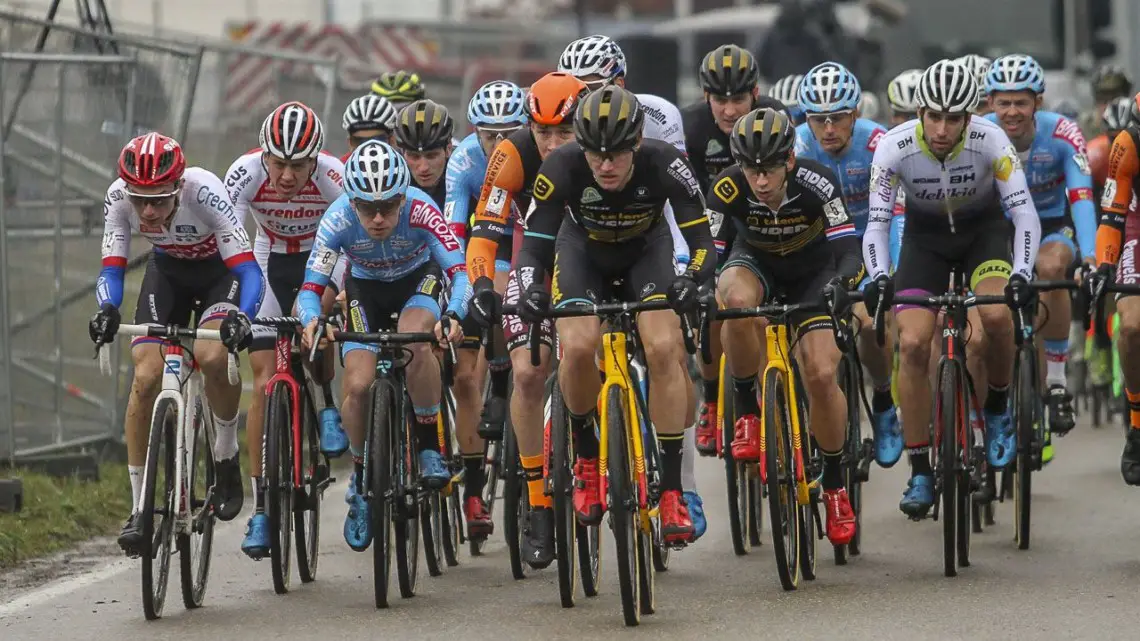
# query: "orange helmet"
553,98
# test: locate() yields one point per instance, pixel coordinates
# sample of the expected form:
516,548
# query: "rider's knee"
914,347
1052,266
467,377
996,320
214,362
663,349
529,381
148,366
357,381
819,370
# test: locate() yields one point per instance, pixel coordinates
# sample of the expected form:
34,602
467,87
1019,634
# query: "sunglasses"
833,118
370,209
158,201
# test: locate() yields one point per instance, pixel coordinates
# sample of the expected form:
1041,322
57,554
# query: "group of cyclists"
574,184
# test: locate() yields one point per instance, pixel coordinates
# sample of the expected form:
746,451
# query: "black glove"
104,324
534,303
1017,292
682,294
835,294
486,304
1097,279
237,334
879,292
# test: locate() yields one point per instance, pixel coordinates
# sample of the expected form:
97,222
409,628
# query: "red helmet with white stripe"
151,159
292,131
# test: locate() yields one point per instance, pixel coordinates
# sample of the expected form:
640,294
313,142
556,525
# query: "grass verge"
59,513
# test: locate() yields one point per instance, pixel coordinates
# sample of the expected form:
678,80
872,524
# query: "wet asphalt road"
1080,580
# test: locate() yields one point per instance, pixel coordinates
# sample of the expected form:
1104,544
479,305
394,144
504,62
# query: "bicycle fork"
615,377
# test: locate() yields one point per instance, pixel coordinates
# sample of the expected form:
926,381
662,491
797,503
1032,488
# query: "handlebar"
384,338
169,332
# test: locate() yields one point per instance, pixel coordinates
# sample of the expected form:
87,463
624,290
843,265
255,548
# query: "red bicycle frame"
283,350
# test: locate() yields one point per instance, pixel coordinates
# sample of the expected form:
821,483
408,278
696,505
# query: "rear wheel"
452,524
493,464
949,416
157,512
561,486
314,479
407,513
780,479
194,548
516,505
279,483
431,518
1026,421
736,476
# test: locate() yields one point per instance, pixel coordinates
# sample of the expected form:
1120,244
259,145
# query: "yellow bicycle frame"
776,339
615,364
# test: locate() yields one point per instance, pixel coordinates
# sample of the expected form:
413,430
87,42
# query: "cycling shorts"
1059,230
585,270
930,251
174,289
789,279
516,331
375,305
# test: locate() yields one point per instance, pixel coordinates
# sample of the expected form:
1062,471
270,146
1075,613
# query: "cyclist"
902,96
598,61
399,246
787,91
836,136
497,110
202,263
1114,119
424,133
1057,167
508,186
400,87
795,239
1108,82
369,117
959,172
979,66
614,185
286,185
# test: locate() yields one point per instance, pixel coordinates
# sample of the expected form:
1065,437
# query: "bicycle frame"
615,364
283,353
779,351
180,369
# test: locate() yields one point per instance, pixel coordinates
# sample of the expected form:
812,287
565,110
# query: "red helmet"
151,159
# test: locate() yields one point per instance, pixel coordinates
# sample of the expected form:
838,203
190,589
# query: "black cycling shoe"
229,492
538,538
494,416
131,538
1060,402
1130,458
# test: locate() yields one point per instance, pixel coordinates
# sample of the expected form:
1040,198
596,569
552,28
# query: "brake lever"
322,322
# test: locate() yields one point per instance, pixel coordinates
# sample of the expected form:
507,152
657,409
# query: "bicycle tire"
590,558
515,506
493,466
452,523
314,476
622,506
379,471
738,502
808,514
780,479
562,488
431,522
1026,421
195,566
852,455
159,538
278,458
449,497
406,525
946,426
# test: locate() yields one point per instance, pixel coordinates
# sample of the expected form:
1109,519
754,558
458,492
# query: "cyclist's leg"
419,314
878,361
743,283
470,375
1128,342
1053,260
989,268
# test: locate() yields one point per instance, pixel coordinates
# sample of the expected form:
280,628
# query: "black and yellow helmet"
399,86
609,120
729,70
424,125
763,137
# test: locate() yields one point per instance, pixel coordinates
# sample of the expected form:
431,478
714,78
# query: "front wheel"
279,482
623,506
1027,421
781,479
195,546
308,497
157,511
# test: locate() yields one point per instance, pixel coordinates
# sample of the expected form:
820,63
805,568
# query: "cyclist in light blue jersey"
398,247
1052,150
836,136
497,110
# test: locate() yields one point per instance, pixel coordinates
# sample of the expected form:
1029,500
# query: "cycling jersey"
706,143
980,173
852,166
465,172
1098,149
1119,198
284,226
663,122
1057,170
421,234
203,226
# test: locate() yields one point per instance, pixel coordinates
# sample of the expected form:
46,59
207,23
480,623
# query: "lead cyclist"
598,61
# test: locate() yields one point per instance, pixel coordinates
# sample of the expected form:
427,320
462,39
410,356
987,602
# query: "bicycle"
629,459
440,512
745,492
180,452
390,479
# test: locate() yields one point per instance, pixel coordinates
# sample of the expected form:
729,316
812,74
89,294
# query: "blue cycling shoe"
255,545
696,514
334,441
888,437
1001,440
433,472
918,497
358,521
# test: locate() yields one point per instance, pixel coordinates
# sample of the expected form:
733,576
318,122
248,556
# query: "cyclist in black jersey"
424,131
614,185
796,240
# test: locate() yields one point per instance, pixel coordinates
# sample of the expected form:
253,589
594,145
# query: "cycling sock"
881,399
473,477
136,474
746,396
1133,408
1056,353
585,438
258,495
225,440
832,470
671,445
532,470
500,376
997,399
712,389
919,457
689,462
357,454
427,431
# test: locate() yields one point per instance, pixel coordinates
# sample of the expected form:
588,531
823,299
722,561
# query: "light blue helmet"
829,87
1015,72
376,171
497,103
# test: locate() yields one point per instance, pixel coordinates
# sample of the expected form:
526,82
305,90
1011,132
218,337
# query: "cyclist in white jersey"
201,264
959,173
286,185
598,61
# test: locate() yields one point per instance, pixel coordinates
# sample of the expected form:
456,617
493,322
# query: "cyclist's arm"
1122,168
446,251
880,210
116,246
240,186
503,180
843,239
898,224
1013,190
323,260
456,204
234,246
724,191
551,187
1079,189
684,192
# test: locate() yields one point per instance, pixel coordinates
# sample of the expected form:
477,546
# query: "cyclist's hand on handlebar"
682,294
880,292
104,324
486,304
1017,292
1097,279
835,293
454,333
533,304
236,331
309,334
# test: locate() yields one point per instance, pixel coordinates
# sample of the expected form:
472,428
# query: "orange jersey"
1118,198
1098,150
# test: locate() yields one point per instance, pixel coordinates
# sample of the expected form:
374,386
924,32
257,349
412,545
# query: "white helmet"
902,92
948,86
869,106
369,112
979,66
593,55
787,90
292,131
